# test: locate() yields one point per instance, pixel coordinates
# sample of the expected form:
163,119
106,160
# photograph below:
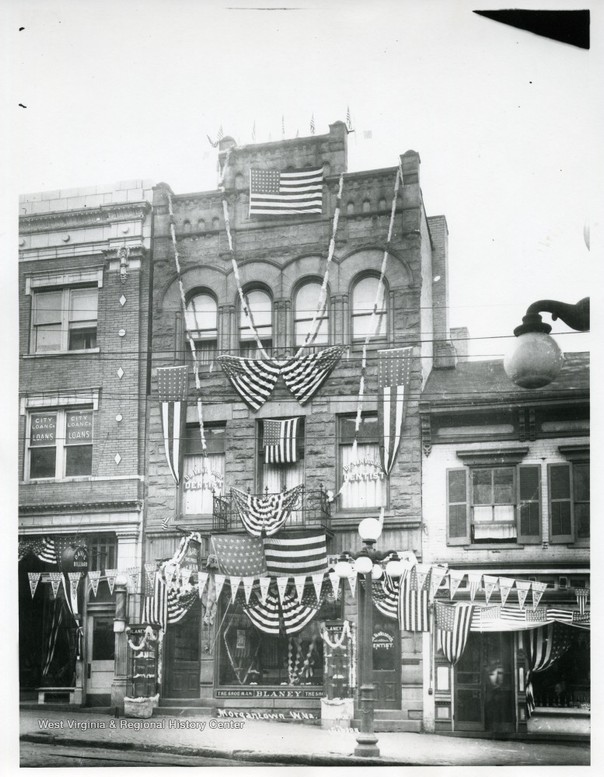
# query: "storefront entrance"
182,657
386,662
484,691
100,657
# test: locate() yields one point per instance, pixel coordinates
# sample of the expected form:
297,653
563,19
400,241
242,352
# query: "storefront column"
128,547
118,685
429,682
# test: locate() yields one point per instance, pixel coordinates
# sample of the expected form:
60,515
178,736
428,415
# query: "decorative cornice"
70,507
83,217
492,456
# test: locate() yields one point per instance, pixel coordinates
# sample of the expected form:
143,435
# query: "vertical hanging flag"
172,393
277,194
413,604
34,579
156,603
94,577
452,628
394,367
280,441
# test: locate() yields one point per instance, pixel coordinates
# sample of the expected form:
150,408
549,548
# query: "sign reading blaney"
269,693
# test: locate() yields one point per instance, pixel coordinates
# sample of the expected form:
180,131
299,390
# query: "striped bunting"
42,547
273,193
255,379
413,604
542,646
179,605
155,605
172,394
385,596
303,554
266,513
271,617
452,628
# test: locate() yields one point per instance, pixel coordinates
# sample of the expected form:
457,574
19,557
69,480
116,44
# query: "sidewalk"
290,743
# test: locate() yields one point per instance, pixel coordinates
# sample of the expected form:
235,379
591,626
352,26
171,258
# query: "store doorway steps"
392,720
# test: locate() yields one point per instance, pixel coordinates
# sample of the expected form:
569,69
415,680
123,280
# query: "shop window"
261,307
566,683
201,321
494,504
305,306
569,500
64,319
249,656
203,476
364,295
59,444
366,487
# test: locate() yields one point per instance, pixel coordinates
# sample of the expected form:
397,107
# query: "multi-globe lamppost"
367,565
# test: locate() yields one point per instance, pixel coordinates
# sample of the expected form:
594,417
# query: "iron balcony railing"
311,509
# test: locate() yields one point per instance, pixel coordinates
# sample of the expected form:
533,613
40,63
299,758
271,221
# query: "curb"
310,759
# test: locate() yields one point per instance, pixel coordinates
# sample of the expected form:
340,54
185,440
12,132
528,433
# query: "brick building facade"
84,274
281,262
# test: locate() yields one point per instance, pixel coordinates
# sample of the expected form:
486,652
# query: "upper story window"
305,306
366,487
569,501
261,307
364,295
59,444
64,319
102,552
201,321
203,476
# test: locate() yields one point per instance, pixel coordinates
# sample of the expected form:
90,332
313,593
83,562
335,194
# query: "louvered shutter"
529,504
458,514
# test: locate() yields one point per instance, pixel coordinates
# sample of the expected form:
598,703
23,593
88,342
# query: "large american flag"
274,193
452,628
394,368
172,392
280,441
243,556
255,379
413,603
304,554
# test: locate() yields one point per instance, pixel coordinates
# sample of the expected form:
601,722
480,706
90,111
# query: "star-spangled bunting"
280,437
172,393
254,379
394,367
275,193
265,514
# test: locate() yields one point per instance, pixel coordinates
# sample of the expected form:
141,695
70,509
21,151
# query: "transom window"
64,319
261,307
363,299
59,444
201,319
305,305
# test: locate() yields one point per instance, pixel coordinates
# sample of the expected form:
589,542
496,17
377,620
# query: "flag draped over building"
452,623
385,592
266,513
255,379
304,554
413,603
543,646
280,439
172,392
394,368
274,193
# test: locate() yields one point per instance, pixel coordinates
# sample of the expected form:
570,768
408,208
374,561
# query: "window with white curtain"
367,486
274,478
201,321
305,306
364,295
261,307
203,476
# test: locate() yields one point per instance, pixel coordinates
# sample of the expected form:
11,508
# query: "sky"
505,121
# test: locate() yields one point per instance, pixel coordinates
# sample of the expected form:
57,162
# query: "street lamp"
535,360
366,564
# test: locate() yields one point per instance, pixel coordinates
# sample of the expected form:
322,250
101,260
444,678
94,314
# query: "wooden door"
182,657
386,644
101,654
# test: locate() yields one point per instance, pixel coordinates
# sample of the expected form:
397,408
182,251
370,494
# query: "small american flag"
280,441
452,628
274,193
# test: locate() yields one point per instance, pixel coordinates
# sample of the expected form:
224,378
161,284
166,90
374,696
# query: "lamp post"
535,360
367,567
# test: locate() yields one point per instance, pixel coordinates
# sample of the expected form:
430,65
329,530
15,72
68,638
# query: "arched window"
363,300
201,321
261,307
305,306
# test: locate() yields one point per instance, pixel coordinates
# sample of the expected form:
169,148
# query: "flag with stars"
452,628
172,392
273,193
243,556
394,367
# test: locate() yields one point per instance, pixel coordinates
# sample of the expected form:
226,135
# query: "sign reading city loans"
43,429
79,426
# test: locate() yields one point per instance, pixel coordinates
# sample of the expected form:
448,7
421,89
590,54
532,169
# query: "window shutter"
529,504
560,507
458,514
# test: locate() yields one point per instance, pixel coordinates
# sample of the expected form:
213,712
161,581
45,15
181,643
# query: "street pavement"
281,743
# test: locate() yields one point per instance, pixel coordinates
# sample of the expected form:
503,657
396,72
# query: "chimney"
460,336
